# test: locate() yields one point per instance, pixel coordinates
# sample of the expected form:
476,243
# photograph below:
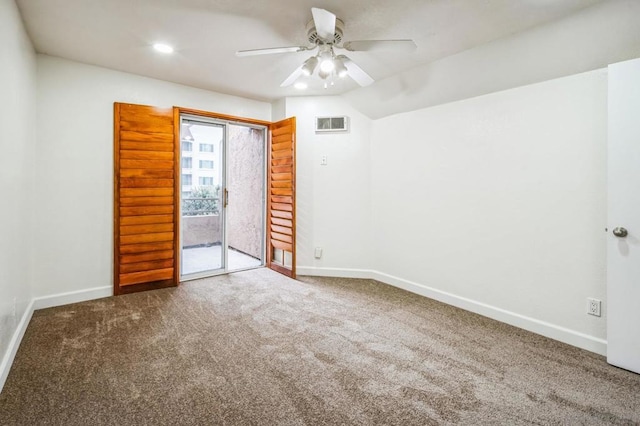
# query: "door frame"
225,120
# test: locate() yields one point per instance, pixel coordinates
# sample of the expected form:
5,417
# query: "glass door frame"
224,198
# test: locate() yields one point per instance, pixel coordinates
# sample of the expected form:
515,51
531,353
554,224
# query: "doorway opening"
222,196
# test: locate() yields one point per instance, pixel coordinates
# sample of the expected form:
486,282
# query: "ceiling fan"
325,32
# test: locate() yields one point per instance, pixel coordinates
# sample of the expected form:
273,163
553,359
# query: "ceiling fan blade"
325,23
375,45
270,50
356,73
293,77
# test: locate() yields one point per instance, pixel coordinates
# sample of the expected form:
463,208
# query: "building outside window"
206,147
187,162
186,179
206,164
206,180
187,146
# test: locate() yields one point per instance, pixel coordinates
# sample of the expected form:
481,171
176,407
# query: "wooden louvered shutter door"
145,216
281,202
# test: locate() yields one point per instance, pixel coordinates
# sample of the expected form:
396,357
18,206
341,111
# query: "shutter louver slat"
146,183
282,161
145,210
147,256
145,248
146,173
134,154
146,229
146,192
142,220
146,201
146,276
146,146
146,266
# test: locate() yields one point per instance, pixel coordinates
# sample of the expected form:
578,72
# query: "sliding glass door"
201,183
222,196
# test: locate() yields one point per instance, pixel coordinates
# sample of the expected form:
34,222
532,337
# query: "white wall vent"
332,124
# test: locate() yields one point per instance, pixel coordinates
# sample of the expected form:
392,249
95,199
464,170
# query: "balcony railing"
200,206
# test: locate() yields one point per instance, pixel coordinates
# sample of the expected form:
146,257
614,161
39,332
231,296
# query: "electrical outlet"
318,252
593,306
323,160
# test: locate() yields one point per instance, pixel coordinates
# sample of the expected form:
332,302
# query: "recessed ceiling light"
300,85
163,48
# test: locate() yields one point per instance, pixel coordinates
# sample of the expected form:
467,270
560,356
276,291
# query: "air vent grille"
332,124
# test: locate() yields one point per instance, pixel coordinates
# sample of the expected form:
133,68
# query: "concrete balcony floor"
202,259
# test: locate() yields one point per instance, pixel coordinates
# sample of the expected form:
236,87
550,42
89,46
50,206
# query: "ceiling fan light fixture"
323,75
324,33
341,70
327,65
309,65
326,61
300,85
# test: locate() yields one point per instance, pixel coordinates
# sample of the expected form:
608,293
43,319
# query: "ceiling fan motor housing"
312,34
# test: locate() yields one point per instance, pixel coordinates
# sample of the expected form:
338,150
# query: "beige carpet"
255,348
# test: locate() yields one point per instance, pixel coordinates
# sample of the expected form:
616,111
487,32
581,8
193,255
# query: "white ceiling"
118,34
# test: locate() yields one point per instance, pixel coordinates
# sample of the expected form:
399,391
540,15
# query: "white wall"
17,121
333,203
500,200
278,109
594,37
74,164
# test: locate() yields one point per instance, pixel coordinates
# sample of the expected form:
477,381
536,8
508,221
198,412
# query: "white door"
623,251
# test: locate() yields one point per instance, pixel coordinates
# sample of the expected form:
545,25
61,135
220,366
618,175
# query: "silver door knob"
620,232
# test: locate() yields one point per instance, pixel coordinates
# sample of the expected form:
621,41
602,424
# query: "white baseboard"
333,272
14,344
72,297
41,303
562,334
